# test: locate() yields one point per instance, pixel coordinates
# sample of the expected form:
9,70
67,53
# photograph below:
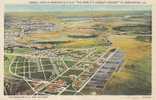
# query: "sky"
68,7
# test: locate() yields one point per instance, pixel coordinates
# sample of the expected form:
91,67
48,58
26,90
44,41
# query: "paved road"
63,73
109,58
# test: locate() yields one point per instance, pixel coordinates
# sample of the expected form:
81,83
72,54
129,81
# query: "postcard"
77,49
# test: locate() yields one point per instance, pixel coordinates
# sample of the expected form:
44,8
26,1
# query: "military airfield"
77,53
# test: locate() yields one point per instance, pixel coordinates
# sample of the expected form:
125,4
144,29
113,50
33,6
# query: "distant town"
75,54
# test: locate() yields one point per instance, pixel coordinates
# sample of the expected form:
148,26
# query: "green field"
72,72
70,53
135,76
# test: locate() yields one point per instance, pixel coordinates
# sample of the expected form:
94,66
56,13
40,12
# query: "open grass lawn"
22,50
37,75
72,72
33,69
20,69
69,63
33,64
46,63
48,67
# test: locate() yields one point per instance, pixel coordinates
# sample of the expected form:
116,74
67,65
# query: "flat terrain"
134,49
136,70
85,53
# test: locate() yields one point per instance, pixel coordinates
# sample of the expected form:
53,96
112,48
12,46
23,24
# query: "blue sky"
68,7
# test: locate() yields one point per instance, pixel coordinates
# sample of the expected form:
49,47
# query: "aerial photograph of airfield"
77,50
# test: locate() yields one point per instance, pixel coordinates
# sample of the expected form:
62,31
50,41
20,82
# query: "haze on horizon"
70,8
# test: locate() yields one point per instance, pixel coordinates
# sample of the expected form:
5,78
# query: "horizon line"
73,8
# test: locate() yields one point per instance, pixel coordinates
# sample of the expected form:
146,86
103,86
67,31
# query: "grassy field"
135,77
72,72
7,61
144,38
79,43
134,49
